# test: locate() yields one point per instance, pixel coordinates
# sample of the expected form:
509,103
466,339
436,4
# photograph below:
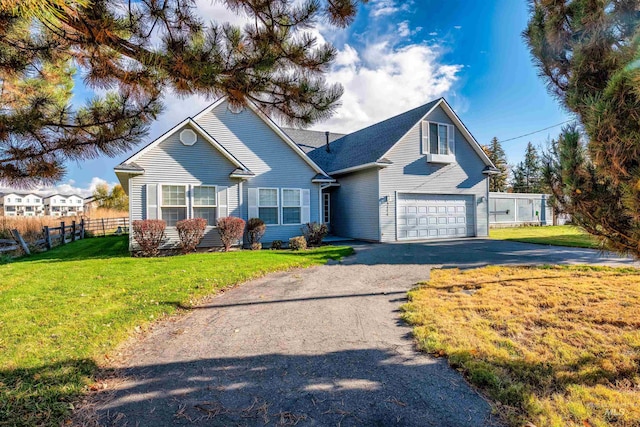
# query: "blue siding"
171,162
410,172
354,207
274,163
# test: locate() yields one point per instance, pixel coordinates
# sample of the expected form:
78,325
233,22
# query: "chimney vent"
326,134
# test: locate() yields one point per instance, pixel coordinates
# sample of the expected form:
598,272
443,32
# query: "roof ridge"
394,117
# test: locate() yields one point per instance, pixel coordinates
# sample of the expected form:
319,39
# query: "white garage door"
431,216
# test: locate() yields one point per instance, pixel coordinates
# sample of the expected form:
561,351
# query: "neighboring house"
90,204
419,175
21,204
61,205
514,209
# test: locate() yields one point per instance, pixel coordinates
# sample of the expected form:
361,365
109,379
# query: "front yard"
558,235
63,312
554,346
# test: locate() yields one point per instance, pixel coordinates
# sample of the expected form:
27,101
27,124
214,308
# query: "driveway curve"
322,346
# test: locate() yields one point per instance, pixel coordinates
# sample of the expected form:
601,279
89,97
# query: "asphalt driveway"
322,346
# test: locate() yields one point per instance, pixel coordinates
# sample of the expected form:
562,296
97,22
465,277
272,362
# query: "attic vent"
188,137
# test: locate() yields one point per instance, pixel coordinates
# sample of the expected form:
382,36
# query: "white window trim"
450,157
326,197
427,138
258,205
161,204
193,200
298,206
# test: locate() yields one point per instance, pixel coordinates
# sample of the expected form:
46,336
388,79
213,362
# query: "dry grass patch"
555,346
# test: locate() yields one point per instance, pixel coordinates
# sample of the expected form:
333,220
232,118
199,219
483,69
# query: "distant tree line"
115,199
525,177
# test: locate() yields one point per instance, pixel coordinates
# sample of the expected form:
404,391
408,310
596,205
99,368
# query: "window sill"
441,158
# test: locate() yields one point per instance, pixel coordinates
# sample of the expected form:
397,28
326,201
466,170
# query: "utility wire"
537,131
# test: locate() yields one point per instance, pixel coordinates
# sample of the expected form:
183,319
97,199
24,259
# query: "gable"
443,115
172,160
254,139
171,133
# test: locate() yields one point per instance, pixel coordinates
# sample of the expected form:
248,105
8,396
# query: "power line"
537,131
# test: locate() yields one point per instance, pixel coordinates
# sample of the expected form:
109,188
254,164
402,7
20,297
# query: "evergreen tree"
519,180
527,176
138,50
588,52
496,154
532,170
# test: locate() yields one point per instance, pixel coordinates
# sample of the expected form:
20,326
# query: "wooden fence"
66,233
52,236
104,226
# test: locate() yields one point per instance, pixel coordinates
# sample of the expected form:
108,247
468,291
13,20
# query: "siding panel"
410,172
171,162
274,163
354,206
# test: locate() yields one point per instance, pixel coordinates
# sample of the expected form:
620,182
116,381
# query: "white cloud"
216,11
380,80
457,27
405,31
385,79
433,33
388,7
69,187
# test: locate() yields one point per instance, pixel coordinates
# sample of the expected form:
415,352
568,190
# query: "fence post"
104,232
47,238
20,240
62,230
82,228
73,231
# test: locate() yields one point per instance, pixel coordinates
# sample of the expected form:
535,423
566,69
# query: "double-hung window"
173,204
268,205
291,206
438,141
204,203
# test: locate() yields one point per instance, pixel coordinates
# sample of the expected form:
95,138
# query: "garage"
433,216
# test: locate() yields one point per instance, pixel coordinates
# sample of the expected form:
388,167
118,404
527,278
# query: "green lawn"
558,235
63,311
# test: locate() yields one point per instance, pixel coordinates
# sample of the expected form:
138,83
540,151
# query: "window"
18,199
439,138
326,207
204,203
62,201
268,205
291,206
174,204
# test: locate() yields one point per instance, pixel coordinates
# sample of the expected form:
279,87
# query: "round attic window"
188,137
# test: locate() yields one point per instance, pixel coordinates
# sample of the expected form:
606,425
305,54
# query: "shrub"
190,232
255,230
149,234
314,233
230,229
298,243
256,246
276,244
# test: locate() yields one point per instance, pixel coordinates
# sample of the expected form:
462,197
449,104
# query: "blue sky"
401,54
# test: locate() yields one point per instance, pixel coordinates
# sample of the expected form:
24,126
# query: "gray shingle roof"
361,147
132,166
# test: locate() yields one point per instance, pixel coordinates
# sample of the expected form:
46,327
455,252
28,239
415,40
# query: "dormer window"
438,142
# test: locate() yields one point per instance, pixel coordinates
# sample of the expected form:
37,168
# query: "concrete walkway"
322,346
